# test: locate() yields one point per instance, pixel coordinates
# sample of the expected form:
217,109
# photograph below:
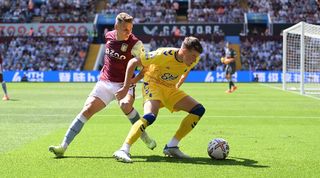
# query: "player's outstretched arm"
137,78
132,64
182,79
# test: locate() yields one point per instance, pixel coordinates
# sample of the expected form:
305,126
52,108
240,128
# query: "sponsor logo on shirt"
112,53
169,77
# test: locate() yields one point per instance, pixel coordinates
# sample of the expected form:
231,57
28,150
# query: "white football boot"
122,156
57,150
174,152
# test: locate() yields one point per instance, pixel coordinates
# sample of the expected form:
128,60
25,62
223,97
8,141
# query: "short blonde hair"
124,17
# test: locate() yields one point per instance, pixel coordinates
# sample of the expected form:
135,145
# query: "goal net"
301,58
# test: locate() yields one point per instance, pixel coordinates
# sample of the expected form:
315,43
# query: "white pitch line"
170,116
277,88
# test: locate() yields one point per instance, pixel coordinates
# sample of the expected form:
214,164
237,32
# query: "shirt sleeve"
149,58
138,50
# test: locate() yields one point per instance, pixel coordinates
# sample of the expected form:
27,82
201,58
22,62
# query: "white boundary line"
170,116
273,87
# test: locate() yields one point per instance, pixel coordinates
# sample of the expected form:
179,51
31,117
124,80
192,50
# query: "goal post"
301,58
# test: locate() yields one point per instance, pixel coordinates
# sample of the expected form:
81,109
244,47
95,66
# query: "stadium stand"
26,11
257,53
15,11
144,11
35,51
231,11
44,53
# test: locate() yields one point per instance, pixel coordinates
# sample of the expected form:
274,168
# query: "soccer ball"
218,148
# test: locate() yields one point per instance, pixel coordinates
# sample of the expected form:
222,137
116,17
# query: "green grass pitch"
271,133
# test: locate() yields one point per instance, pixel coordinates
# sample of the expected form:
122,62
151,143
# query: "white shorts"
106,91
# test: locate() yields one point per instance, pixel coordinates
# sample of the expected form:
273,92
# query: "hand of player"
121,93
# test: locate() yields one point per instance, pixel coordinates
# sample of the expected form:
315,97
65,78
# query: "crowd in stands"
144,11
285,11
37,52
220,11
256,54
15,11
69,53
232,11
261,54
23,11
66,11
159,11
44,53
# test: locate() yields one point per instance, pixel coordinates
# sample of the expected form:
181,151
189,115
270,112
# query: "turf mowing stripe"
163,115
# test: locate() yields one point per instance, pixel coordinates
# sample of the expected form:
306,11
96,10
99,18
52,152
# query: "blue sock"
73,130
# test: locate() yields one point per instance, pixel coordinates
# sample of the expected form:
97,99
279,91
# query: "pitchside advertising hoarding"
187,29
194,76
147,31
60,29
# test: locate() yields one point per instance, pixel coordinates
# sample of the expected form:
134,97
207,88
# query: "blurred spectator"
219,11
45,53
256,53
232,11
67,11
145,11
160,11
15,11
22,11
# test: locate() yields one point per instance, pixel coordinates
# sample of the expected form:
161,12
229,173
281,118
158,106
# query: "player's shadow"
230,161
84,157
13,99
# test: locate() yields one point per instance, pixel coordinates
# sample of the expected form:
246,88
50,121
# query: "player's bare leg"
92,106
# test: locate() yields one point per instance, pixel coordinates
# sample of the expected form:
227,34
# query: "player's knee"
198,110
150,117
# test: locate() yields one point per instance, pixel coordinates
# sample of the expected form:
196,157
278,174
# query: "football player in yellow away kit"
165,71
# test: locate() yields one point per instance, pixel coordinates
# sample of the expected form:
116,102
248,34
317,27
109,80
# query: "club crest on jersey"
124,47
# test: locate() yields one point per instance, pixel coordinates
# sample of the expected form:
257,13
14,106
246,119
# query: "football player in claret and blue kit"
121,47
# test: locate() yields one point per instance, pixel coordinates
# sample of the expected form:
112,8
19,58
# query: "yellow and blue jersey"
163,67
